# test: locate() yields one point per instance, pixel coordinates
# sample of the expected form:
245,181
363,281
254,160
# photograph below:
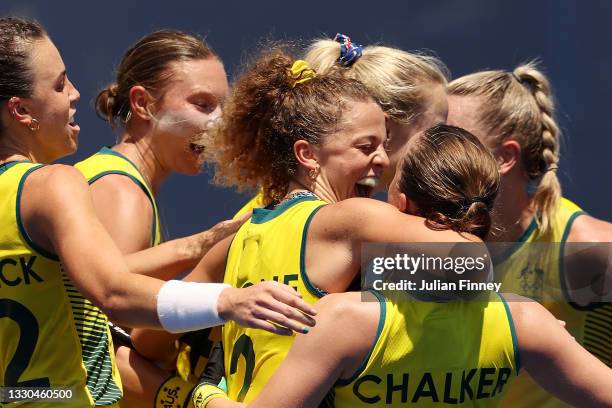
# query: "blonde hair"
397,79
519,105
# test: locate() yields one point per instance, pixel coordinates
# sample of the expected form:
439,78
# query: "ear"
508,155
19,110
402,202
306,154
140,102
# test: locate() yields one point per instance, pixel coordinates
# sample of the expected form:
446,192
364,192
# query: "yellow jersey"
430,354
194,347
256,202
534,267
50,335
108,161
270,246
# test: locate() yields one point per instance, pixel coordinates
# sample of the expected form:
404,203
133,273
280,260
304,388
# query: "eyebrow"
365,138
208,94
63,74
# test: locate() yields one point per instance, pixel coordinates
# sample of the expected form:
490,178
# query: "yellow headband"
301,72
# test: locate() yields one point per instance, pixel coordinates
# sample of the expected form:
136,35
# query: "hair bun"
112,90
477,219
105,103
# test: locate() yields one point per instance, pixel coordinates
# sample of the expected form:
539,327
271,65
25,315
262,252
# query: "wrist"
204,393
194,247
225,306
188,306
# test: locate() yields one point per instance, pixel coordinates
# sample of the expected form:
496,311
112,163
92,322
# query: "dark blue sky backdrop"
571,38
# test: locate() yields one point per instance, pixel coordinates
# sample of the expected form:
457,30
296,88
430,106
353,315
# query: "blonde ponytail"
519,105
548,191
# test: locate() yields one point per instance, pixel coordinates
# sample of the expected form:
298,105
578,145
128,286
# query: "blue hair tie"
349,52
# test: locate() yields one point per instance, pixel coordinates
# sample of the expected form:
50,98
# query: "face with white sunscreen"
191,103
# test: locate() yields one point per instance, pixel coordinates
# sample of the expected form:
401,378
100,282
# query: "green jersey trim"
142,187
515,345
92,330
519,242
261,215
313,289
561,267
28,240
381,324
7,165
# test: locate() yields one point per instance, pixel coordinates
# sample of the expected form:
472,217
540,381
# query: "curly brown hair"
267,113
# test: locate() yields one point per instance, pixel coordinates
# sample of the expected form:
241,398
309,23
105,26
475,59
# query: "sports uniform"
536,270
271,246
108,161
427,354
256,202
50,335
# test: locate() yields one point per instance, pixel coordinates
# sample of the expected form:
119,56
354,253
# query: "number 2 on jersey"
28,327
243,347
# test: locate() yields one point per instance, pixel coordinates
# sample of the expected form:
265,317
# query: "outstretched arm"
126,213
255,306
167,260
58,208
340,230
317,360
555,360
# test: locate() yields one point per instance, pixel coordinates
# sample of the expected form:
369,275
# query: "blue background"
571,38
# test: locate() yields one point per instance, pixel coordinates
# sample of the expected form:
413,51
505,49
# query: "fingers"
561,322
280,319
289,312
272,328
244,217
223,230
289,296
295,306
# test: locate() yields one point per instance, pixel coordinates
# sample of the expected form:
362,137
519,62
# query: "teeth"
370,181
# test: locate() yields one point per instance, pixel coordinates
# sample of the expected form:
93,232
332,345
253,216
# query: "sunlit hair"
267,113
148,63
518,105
398,80
452,178
16,38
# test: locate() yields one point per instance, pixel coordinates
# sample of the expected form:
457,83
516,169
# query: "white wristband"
188,306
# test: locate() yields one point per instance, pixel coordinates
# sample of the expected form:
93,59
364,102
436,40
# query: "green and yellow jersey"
271,246
429,354
50,335
256,202
534,268
108,161
194,347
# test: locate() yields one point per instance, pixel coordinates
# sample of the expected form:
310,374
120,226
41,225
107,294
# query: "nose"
381,159
74,93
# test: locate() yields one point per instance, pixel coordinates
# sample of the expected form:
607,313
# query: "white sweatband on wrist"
188,306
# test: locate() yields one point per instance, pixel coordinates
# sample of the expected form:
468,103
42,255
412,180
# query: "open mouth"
196,148
72,123
365,187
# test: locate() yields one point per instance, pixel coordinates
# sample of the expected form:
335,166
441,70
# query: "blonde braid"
548,192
